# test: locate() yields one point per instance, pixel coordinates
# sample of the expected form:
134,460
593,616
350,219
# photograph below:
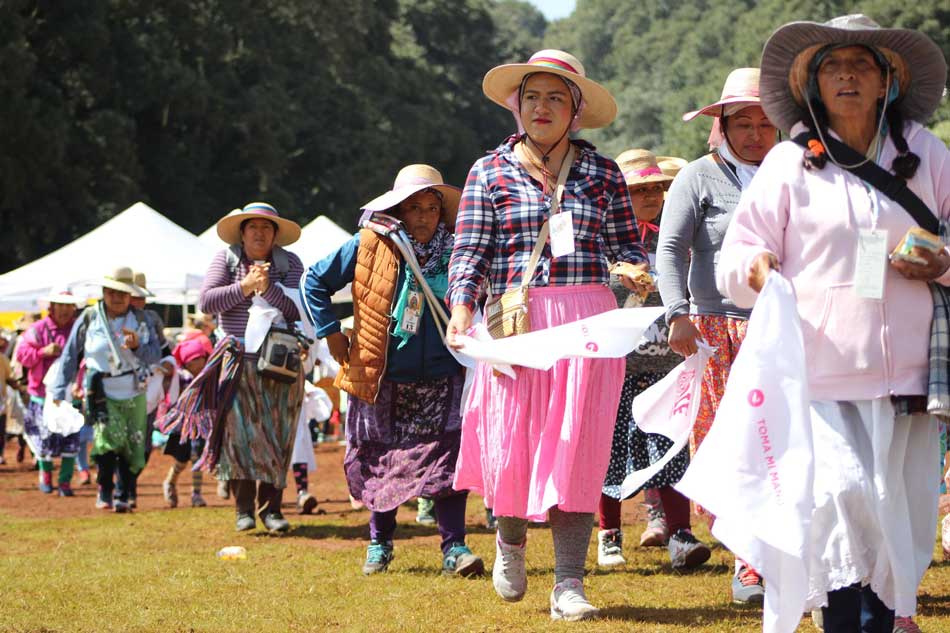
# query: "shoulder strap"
281,261
887,183
725,168
233,257
555,209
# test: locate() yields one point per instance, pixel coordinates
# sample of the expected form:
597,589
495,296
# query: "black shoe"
275,522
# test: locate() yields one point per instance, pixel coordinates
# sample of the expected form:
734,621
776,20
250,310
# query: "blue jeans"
856,609
86,435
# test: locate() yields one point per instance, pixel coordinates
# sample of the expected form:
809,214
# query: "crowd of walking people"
819,169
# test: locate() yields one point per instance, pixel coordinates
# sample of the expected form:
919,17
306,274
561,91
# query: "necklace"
547,175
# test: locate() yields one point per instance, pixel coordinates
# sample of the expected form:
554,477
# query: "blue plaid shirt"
501,213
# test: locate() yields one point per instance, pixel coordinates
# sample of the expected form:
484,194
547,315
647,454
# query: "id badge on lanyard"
871,261
410,315
562,233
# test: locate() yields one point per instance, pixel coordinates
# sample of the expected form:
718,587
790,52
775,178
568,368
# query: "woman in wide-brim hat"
866,336
525,455
114,340
36,351
698,209
668,510
259,427
405,388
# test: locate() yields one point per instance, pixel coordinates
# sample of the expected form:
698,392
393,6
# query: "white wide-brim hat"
412,179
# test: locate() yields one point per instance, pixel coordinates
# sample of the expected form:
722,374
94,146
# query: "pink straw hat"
742,86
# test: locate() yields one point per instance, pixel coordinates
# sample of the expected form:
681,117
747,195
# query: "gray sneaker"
275,522
686,551
245,522
569,603
747,587
508,574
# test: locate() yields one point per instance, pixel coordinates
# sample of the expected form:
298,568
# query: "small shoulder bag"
507,314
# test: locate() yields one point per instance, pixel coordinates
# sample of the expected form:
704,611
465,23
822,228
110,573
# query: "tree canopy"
200,106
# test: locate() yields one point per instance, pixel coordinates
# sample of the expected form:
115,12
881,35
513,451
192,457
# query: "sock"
676,507
174,471
66,468
196,482
300,476
512,530
609,512
571,532
46,465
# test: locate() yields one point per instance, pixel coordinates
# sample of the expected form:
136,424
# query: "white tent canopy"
318,239
174,261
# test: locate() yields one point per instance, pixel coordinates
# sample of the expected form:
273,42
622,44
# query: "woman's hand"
339,346
759,270
636,277
936,266
684,336
131,339
51,351
459,323
256,280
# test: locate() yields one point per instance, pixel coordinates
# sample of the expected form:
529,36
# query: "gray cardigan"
698,209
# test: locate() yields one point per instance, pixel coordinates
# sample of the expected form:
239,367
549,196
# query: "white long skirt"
877,480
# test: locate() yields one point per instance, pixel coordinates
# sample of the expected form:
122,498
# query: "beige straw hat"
139,280
123,280
599,108
229,227
640,166
412,179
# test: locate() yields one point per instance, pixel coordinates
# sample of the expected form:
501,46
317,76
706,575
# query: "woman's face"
647,200
751,134
258,238
421,212
195,365
62,313
850,83
546,108
117,302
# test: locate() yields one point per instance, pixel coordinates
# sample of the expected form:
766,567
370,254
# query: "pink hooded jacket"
856,348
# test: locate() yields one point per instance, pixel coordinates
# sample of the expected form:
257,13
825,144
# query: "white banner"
612,334
755,469
669,408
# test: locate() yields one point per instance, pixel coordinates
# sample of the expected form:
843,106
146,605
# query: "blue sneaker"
460,561
378,556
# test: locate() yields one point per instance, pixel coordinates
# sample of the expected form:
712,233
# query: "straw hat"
742,86
639,166
139,280
671,165
63,295
599,107
918,65
412,179
123,280
229,227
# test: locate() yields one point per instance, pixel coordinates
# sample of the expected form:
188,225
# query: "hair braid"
906,163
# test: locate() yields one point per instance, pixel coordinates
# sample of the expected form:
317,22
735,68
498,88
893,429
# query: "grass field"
156,570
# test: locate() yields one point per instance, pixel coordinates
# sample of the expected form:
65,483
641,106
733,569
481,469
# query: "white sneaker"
508,574
568,602
610,548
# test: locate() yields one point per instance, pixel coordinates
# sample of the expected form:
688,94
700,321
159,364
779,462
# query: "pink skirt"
543,439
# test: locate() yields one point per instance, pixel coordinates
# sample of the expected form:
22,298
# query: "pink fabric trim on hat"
554,63
261,209
649,171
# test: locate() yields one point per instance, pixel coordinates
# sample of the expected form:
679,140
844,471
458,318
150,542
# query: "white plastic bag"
260,317
669,408
755,469
61,418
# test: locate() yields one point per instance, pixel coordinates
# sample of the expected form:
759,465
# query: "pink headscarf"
191,348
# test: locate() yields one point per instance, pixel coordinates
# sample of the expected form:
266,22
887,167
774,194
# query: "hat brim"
64,300
121,286
229,228
671,165
715,109
600,107
451,196
922,57
633,180
144,293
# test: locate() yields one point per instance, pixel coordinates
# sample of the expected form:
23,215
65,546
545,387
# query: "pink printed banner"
612,334
669,408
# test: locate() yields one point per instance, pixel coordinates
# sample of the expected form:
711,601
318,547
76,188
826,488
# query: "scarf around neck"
433,258
744,171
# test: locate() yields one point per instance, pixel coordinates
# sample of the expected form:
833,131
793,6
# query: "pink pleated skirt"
543,439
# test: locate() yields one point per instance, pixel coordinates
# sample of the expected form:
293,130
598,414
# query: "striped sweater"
221,292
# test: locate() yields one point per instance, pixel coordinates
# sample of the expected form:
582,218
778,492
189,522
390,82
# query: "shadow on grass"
665,569
672,615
